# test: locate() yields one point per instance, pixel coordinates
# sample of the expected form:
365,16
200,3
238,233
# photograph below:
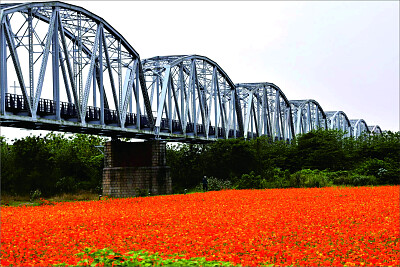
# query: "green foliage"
139,192
186,164
66,185
309,178
386,171
56,164
52,164
317,158
230,158
340,178
249,181
35,195
321,149
107,257
215,184
272,155
272,178
362,180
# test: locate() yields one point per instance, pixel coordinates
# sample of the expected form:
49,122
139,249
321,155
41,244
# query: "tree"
321,149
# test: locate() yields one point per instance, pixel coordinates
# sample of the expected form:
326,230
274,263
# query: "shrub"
140,192
363,180
386,171
340,178
66,185
309,178
249,181
215,184
35,195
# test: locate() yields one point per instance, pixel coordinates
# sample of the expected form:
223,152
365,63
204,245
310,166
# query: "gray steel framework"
338,120
266,110
64,68
307,115
359,127
93,72
375,129
192,95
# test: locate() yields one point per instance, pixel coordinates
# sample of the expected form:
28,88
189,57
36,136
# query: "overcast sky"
345,55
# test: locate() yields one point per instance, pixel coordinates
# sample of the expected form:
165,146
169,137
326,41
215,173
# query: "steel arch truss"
307,115
192,96
359,127
266,111
375,130
338,120
64,68
72,68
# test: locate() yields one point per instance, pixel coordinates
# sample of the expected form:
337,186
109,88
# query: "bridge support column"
135,169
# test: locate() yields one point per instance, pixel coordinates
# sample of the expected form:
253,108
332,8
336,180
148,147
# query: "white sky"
345,55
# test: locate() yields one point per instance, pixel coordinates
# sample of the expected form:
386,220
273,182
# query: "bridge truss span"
359,127
192,96
308,115
338,120
374,129
73,70
266,110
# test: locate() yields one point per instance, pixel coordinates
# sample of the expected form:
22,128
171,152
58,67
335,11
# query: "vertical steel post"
94,89
193,89
130,102
170,104
234,113
30,50
251,120
119,75
80,63
216,111
3,72
137,85
182,87
55,62
309,121
277,115
101,86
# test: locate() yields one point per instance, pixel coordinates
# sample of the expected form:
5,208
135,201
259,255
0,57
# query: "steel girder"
307,115
192,96
266,110
338,120
359,127
375,129
93,69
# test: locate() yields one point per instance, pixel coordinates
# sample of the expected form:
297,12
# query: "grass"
83,196
13,200
18,200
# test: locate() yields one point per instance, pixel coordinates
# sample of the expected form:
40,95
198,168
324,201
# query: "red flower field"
321,226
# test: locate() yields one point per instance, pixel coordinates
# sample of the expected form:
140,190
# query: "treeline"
318,158
51,164
57,163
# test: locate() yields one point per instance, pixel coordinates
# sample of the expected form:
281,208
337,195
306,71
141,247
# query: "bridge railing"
16,104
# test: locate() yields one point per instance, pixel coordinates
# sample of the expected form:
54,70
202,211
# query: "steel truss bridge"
64,68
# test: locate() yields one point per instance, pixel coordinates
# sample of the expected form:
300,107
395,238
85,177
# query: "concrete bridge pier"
135,169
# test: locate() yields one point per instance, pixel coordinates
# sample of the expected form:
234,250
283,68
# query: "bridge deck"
17,115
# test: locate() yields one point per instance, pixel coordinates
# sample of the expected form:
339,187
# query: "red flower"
327,226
